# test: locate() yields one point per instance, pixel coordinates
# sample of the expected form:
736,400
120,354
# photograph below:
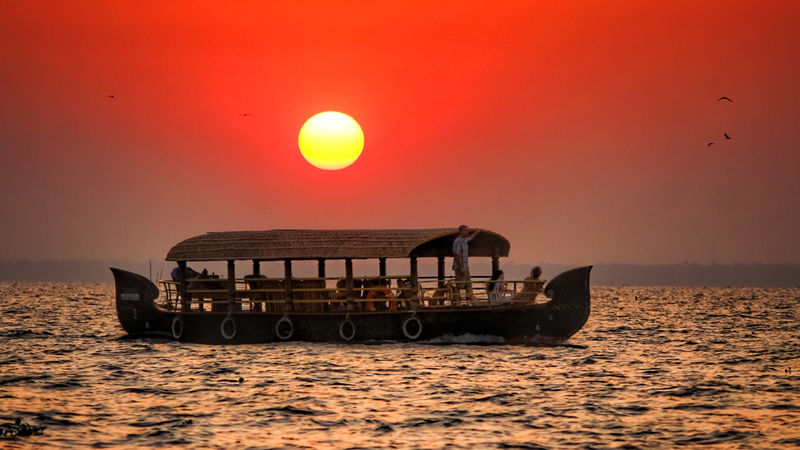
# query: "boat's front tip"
135,300
570,301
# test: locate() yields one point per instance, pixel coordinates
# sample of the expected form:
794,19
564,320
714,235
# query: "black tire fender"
412,336
222,331
343,330
284,336
177,327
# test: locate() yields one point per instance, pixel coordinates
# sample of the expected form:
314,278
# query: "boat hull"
549,323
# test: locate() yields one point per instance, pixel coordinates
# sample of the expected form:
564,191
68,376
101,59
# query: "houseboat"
409,306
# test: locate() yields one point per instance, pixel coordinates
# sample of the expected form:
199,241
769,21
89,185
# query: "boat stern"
135,300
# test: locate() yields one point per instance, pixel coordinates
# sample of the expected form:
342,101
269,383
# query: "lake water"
662,367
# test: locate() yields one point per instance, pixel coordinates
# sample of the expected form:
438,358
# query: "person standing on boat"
461,258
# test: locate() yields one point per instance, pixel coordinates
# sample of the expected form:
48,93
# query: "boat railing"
329,294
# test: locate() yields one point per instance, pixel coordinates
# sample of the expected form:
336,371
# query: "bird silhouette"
246,114
111,96
724,98
726,136
709,144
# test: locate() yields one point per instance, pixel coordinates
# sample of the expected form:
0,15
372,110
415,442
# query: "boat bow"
570,303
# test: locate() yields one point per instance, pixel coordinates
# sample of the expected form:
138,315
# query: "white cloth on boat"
497,294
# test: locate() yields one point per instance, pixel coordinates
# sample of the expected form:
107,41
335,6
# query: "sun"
331,140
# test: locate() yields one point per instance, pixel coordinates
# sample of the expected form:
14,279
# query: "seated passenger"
255,282
339,294
190,273
497,287
404,293
440,295
531,287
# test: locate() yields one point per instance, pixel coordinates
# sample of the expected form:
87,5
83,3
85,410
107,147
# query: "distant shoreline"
604,274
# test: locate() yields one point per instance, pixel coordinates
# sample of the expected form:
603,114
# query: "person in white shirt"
461,258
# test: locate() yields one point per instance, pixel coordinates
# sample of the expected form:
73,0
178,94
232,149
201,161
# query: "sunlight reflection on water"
664,366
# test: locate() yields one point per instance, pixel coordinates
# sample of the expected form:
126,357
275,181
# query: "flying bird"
726,136
111,96
709,144
724,98
246,114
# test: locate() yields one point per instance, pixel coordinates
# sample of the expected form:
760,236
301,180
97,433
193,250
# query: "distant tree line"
686,274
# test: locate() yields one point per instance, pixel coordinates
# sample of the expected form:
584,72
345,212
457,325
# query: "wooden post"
288,293
382,267
231,286
255,299
495,259
321,268
186,301
348,278
440,270
382,271
414,278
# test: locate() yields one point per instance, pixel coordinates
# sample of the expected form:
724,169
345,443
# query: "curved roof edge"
331,244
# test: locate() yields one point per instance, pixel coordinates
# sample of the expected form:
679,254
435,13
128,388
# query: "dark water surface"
662,367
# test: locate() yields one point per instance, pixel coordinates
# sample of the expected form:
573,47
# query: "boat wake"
467,338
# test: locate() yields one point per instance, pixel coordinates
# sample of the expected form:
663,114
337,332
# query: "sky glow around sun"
488,114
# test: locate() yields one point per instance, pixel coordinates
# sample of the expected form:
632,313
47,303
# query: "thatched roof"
330,244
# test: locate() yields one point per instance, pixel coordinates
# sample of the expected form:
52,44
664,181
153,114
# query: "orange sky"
576,129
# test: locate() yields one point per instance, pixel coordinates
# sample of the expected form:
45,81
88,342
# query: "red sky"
576,129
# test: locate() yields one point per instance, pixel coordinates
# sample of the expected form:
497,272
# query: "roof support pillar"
288,293
348,278
440,270
231,286
414,278
382,272
495,259
256,267
183,287
382,267
321,268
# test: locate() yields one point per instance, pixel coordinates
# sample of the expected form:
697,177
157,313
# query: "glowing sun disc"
331,140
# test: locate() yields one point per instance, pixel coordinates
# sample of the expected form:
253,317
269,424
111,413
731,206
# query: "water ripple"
654,367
